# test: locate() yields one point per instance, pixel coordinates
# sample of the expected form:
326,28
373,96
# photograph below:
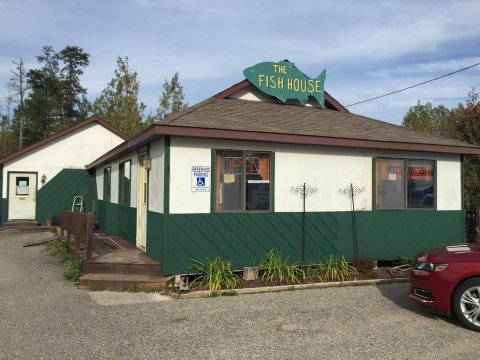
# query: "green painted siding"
58,193
244,238
117,220
4,209
155,236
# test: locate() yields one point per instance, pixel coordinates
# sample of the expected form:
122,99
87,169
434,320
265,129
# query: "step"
123,282
123,268
20,223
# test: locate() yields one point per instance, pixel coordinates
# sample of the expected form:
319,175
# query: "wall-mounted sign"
200,178
284,81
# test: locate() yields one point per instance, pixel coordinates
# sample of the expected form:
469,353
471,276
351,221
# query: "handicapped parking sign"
200,178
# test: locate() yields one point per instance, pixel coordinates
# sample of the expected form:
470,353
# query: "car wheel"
466,303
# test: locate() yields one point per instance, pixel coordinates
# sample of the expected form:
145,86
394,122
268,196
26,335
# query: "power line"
410,87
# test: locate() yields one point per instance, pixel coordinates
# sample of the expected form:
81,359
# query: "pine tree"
118,103
173,98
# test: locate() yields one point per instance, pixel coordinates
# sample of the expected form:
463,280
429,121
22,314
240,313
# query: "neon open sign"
234,165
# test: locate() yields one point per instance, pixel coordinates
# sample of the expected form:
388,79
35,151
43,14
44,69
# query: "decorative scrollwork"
299,190
351,191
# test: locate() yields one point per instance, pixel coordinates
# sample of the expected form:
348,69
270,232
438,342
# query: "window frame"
121,183
218,169
405,161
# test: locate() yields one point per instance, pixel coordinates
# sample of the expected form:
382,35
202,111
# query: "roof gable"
64,133
330,102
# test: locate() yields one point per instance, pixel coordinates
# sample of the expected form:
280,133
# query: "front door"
22,195
142,202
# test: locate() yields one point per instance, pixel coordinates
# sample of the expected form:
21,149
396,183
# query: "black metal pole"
303,227
354,227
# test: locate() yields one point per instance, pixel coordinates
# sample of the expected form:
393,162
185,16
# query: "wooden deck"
117,264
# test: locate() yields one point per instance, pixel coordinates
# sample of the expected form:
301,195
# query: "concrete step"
24,225
123,268
123,282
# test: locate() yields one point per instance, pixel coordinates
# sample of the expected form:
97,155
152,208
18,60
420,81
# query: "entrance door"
142,202
22,195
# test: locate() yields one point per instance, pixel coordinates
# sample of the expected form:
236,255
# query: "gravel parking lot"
42,316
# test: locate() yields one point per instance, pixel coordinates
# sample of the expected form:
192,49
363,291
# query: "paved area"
43,316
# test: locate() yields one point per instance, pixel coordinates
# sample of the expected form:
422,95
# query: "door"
142,201
22,195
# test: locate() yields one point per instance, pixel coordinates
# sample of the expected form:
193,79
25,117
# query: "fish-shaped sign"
284,81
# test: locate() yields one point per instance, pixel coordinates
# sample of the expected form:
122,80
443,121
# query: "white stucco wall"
72,151
327,169
185,153
156,176
449,192
115,165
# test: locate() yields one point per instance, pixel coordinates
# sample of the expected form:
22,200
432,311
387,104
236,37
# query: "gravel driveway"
43,316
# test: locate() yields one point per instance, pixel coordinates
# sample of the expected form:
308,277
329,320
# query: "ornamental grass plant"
276,268
336,269
214,275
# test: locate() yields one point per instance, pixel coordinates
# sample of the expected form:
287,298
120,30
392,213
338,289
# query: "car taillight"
430,267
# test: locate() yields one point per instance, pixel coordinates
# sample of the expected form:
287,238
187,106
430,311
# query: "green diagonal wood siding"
117,220
58,193
245,238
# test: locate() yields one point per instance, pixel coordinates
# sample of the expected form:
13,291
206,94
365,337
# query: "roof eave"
159,131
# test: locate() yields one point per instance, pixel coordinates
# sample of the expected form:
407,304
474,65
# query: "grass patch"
59,248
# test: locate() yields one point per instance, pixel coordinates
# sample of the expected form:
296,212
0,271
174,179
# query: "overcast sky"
367,47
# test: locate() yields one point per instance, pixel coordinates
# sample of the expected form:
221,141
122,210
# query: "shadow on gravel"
398,294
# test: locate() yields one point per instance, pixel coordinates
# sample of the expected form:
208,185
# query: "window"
124,183
242,180
22,186
107,181
405,184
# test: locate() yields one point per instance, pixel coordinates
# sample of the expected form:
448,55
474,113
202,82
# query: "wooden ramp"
117,264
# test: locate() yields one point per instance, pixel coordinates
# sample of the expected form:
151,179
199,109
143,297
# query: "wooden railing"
81,227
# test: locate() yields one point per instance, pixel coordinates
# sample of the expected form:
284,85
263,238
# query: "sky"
368,48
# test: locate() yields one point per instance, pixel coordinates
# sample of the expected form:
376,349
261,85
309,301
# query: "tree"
74,60
18,88
468,130
437,120
118,103
173,98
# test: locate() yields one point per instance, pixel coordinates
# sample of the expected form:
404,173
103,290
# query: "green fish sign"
284,81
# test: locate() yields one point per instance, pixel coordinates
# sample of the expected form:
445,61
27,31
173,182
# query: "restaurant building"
276,162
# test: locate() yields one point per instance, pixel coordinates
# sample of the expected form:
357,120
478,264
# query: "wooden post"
89,235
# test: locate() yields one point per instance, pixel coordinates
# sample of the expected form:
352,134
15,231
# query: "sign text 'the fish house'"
284,81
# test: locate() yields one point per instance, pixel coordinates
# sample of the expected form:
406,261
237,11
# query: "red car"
448,281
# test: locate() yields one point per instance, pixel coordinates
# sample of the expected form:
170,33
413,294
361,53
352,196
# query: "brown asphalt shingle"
271,117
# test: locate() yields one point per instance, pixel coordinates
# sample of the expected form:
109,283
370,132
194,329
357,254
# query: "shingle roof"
271,117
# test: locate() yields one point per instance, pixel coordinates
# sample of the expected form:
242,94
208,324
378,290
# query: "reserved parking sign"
200,178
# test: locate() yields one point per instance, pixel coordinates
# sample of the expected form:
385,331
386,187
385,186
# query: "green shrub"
336,269
274,267
214,275
73,270
363,265
406,260
59,248
312,271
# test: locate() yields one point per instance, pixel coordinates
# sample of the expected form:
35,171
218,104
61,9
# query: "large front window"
405,184
243,180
